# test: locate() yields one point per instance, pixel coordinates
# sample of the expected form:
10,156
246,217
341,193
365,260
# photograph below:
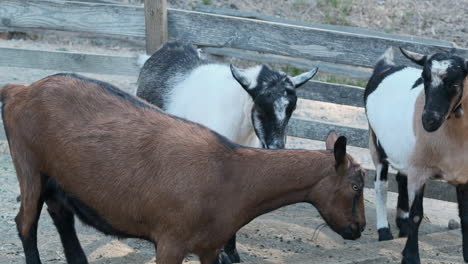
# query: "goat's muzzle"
432,120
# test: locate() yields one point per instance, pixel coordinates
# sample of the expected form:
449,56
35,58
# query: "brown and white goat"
128,169
417,126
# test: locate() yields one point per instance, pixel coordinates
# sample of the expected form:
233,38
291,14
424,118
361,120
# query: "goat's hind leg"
65,223
380,185
29,212
462,197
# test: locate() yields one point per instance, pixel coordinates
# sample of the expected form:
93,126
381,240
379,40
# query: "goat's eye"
355,188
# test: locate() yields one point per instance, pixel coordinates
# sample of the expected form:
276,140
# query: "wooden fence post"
156,24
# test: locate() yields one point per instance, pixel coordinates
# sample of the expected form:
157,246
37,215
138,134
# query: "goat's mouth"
350,233
433,120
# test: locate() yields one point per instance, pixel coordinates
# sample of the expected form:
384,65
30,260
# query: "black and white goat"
417,126
251,107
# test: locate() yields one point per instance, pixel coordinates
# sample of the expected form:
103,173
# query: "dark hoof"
385,234
18,198
223,258
404,226
233,256
412,259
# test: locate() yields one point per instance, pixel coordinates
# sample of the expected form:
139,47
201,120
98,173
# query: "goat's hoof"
385,234
411,259
18,198
404,225
234,256
223,258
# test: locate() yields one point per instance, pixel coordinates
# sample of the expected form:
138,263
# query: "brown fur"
442,152
151,175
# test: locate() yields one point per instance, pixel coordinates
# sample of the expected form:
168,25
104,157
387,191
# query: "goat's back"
172,62
114,152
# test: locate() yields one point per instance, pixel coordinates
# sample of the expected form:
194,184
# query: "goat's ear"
331,139
241,77
302,78
339,150
417,58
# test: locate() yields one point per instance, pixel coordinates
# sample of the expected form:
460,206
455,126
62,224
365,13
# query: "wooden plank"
156,24
95,18
296,41
318,131
212,30
339,69
365,31
68,61
332,93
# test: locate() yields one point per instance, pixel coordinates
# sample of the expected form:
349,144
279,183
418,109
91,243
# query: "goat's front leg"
402,219
411,251
462,197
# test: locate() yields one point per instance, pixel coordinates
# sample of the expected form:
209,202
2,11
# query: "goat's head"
340,200
274,97
444,76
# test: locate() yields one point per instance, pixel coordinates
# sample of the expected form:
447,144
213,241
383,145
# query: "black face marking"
443,76
274,102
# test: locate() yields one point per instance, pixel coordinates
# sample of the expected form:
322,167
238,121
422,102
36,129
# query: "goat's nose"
276,145
431,120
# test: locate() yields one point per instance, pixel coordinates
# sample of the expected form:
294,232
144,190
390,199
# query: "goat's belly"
390,112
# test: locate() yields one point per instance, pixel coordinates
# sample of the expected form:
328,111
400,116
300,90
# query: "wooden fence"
338,50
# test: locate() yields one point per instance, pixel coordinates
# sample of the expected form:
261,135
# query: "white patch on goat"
141,59
380,188
211,96
390,110
438,71
402,213
280,106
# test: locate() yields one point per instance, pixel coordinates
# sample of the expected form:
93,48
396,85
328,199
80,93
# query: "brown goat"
126,168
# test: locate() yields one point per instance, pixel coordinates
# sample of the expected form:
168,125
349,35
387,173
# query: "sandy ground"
288,235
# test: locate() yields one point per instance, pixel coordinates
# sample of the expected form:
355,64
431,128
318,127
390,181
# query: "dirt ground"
288,235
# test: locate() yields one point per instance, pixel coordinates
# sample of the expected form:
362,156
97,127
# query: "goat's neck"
248,137
272,179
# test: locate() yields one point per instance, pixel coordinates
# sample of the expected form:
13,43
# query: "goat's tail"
10,89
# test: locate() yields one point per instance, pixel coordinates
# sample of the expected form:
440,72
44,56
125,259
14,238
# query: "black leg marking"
403,205
411,251
30,240
231,250
64,221
462,197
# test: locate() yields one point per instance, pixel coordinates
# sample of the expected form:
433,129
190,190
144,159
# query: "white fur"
438,71
402,214
380,188
141,59
390,111
211,96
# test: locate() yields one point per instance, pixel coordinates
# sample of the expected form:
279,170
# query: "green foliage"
206,2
